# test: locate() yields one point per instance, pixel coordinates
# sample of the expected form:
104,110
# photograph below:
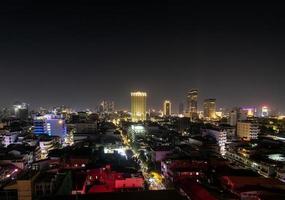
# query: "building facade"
51,125
21,111
247,130
209,109
192,103
167,108
138,106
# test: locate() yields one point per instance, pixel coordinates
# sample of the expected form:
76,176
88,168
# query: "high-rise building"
181,108
192,99
233,118
167,108
21,111
247,130
138,106
106,107
240,114
9,138
210,109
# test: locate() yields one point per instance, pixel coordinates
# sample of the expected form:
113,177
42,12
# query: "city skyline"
159,107
108,99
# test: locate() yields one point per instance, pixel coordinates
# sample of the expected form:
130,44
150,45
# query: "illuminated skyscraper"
192,99
138,106
167,108
210,109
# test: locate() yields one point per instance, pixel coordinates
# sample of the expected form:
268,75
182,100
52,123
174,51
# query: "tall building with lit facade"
192,102
166,108
138,106
209,109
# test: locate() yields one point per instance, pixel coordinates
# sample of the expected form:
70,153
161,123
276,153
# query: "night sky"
78,54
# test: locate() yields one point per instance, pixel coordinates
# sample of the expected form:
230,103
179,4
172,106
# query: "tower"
192,102
210,109
166,108
138,106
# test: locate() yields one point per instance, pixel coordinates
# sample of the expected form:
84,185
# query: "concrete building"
176,169
106,107
220,135
233,118
138,106
181,108
264,111
21,111
209,109
107,180
192,103
47,144
247,130
86,127
52,125
10,138
135,131
167,108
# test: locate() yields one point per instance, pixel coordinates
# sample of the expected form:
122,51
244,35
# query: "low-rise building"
47,144
10,138
219,135
107,180
176,170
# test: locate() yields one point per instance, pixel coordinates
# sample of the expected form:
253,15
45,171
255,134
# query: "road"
153,179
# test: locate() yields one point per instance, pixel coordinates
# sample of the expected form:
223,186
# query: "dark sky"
80,53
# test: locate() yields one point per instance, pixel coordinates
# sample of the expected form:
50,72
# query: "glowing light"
138,128
139,94
264,111
277,157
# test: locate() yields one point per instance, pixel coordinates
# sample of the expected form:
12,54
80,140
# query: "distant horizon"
175,106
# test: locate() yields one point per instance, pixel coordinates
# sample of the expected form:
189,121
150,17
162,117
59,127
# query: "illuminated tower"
192,99
138,106
210,109
167,108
